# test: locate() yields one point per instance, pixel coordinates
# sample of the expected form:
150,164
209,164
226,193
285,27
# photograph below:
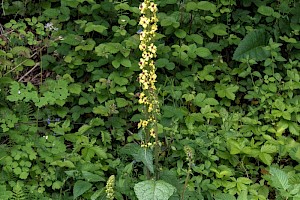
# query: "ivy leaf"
150,190
80,187
252,47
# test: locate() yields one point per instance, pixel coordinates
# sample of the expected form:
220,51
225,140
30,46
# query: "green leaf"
116,63
203,52
72,39
191,6
126,62
279,178
196,38
80,187
154,190
180,33
140,155
101,153
90,177
75,88
207,6
243,195
293,128
101,110
265,10
97,194
226,91
252,47
218,29
29,63
266,158
121,102
269,148
223,196
23,175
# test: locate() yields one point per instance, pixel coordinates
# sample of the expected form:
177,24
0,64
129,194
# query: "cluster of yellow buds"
147,77
110,187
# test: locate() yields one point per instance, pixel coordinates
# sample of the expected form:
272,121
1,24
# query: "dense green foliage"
228,85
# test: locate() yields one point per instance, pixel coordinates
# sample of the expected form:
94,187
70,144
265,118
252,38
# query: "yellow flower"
153,7
142,123
154,19
143,8
142,63
145,86
153,28
144,21
142,46
152,48
152,132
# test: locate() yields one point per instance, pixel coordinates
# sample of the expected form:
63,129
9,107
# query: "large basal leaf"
252,46
279,178
140,155
154,190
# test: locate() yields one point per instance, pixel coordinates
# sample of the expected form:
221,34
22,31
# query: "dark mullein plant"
147,77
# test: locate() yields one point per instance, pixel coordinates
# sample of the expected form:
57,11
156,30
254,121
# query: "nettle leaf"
252,47
81,187
279,178
150,190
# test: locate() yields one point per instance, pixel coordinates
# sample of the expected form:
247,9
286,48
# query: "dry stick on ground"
36,64
24,61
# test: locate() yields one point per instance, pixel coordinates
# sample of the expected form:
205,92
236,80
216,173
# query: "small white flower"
49,25
19,92
46,137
